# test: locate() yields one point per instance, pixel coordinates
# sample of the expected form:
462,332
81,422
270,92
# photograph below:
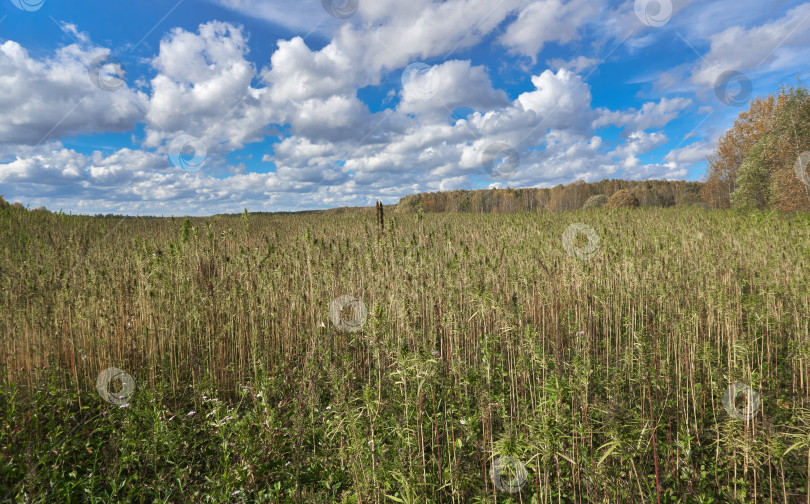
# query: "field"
484,359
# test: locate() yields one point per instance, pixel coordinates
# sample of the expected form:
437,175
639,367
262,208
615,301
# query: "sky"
198,107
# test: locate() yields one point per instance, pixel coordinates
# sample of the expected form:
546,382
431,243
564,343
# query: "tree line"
576,195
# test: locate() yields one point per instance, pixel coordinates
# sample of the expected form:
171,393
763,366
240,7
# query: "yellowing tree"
623,198
791,131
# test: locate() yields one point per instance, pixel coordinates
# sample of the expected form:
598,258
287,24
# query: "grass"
490,366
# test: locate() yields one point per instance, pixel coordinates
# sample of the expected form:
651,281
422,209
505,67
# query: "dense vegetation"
600,367
763,160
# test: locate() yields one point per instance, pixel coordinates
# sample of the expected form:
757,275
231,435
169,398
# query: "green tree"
753,180
596,201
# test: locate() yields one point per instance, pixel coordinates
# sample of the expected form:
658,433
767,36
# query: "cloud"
747,50
298,73
561,99
546,21
638,142
52,98
203,88
384,36
396,33
667,171
131,181
651,114
575,65
691,154
442,88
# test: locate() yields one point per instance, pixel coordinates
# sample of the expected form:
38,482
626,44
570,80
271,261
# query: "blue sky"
206,106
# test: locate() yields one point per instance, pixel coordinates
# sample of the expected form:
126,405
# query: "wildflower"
192,412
